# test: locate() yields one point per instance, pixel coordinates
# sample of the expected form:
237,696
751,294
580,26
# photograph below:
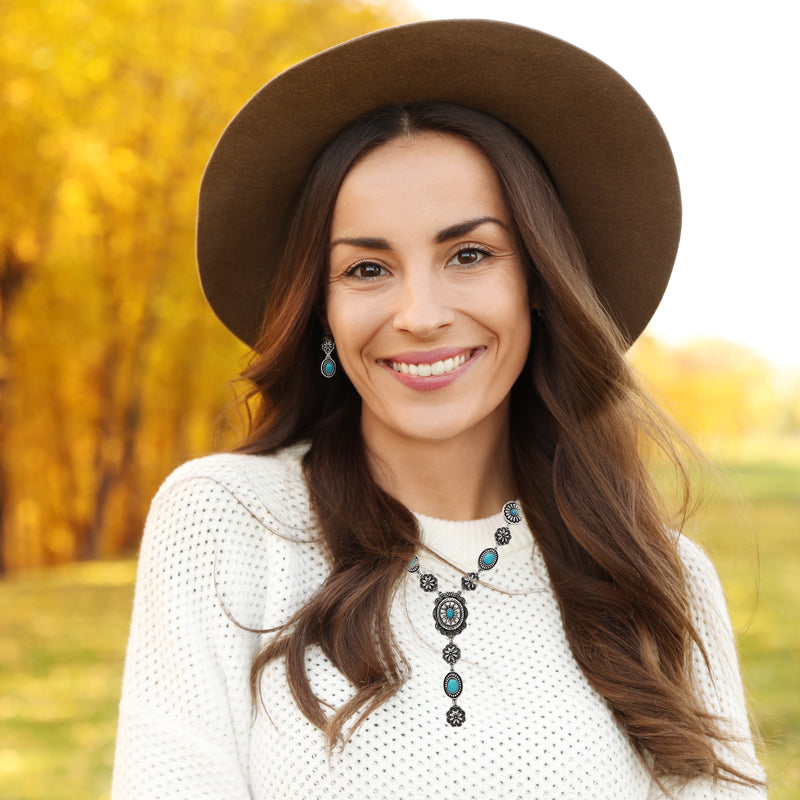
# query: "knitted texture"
229,545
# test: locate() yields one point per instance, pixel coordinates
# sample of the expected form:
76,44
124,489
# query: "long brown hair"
579,421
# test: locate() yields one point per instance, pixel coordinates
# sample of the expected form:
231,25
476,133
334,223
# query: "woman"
440,563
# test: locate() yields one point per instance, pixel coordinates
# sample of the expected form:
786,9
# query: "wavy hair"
579,421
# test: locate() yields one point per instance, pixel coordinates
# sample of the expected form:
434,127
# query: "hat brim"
603,147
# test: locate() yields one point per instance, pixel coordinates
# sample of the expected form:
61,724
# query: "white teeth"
425,370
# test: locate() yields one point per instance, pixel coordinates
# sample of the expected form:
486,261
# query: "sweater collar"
461,542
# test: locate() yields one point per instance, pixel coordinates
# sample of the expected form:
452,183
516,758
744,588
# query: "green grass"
751,531
63,633
62,644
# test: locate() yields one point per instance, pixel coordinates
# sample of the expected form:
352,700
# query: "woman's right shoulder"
211,490
222,535
232,469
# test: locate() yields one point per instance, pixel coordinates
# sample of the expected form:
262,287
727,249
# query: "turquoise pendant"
453,684
487,559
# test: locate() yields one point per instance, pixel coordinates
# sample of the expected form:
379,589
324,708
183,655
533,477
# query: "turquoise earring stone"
328,365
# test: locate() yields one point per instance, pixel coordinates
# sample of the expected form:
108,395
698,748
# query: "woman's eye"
469,255
366,270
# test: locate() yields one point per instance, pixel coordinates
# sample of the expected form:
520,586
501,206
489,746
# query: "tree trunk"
13,272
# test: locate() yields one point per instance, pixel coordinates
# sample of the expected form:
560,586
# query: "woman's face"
427,299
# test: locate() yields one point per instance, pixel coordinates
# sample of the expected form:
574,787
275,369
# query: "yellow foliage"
715,389
114,369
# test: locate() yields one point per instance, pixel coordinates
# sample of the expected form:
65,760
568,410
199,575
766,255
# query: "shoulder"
269,489
223,528
703,585
227,503
702,580
712,623
239,471
698,566
227,467
716,671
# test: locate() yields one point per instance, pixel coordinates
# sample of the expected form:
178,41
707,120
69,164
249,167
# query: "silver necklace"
450,608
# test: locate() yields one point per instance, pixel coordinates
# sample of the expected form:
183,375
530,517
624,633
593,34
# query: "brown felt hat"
604,149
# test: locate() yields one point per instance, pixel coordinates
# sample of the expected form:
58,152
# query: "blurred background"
113,371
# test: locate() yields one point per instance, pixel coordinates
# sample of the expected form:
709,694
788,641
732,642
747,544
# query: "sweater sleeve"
185,711
719,683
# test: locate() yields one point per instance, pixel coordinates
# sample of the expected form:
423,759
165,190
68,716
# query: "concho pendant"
450,613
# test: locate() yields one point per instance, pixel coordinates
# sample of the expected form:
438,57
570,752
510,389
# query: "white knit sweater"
228,545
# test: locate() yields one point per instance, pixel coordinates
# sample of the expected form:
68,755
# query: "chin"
433,427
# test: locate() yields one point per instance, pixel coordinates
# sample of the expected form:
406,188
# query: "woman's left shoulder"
696,562
716,669
702,581
709,608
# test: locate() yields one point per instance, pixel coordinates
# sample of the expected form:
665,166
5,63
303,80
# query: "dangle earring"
328,365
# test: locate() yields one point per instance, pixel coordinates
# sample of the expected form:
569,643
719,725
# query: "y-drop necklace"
450,609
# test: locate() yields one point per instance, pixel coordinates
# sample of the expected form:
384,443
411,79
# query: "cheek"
518,334
353,324
508,305
516,331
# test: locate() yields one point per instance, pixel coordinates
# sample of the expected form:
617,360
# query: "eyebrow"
463,228
445,235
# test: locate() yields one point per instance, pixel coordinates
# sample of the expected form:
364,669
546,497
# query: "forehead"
428,177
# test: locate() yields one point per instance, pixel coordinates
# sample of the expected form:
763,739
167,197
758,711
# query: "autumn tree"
112,368
714,389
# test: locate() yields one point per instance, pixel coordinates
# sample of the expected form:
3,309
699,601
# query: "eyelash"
351,273
483,251
475,248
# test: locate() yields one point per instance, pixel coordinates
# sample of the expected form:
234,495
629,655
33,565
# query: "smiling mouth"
442,367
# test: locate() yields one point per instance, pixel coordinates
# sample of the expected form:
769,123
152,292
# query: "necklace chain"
450,608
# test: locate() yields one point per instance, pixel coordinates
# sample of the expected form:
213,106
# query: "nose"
424,305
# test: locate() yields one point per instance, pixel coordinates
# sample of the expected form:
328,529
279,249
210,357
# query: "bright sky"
724,80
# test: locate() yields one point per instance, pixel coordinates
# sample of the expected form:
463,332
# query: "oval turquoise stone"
329,368
452,686
488,559
450,613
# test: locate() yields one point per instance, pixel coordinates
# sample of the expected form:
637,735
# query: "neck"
465,477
